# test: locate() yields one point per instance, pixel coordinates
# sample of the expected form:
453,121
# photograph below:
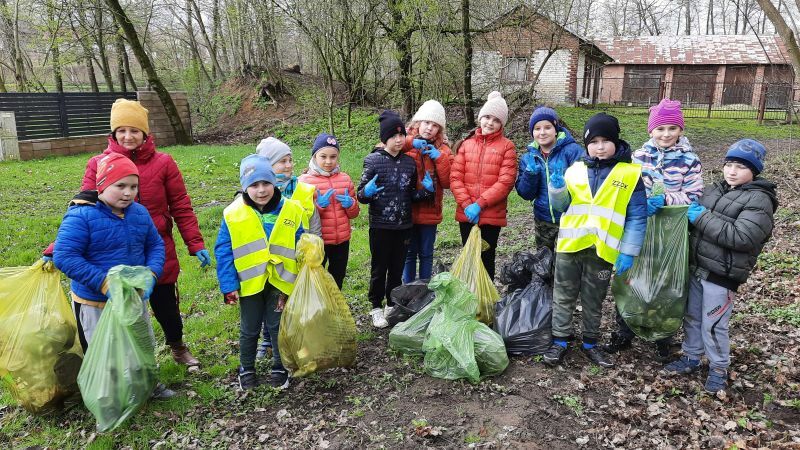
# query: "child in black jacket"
389,185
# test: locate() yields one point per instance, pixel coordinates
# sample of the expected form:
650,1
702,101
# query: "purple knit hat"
668,112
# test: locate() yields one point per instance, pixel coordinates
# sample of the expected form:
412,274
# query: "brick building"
718,70
509,57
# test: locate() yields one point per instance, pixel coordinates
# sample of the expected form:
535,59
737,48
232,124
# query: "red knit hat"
112,168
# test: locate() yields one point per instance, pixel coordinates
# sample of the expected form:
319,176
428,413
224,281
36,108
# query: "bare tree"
784,31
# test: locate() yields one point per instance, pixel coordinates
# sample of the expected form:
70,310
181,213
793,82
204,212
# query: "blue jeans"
422,239
255,310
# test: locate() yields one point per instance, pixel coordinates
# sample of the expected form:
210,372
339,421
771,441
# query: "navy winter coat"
534,187
635,213
390,209
92,239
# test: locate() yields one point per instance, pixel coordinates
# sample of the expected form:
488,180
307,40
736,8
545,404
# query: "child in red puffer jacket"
335,201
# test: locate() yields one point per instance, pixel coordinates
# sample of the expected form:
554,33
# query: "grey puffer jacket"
727,238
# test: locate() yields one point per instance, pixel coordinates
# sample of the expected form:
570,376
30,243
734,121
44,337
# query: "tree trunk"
784,32
197,61
58,79
402,40
119,43
688,6
469,113
19,63
3,88
181,137
101,46
87,61
216,70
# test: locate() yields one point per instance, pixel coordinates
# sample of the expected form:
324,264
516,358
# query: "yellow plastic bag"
40,355
317,330
468,267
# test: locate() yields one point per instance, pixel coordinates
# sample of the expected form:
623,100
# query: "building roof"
699,49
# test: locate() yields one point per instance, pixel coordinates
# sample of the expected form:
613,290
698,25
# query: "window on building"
515,69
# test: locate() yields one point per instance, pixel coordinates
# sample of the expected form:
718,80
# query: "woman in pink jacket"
335,200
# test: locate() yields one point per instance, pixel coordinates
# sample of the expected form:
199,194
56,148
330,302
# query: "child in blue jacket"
103,229
603,226
256,262
553,149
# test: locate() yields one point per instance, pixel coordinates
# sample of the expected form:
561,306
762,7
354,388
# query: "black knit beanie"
601,124
391,124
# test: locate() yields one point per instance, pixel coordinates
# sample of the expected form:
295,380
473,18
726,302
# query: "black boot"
618,343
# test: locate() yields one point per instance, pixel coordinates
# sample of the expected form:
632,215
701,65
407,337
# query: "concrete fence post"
9,146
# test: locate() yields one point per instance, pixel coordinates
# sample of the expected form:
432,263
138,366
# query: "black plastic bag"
524,266
523,318
409,299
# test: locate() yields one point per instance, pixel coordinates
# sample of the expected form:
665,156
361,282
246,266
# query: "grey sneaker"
598,356
682,366
162,392
247,379
554,355
279,379
717,381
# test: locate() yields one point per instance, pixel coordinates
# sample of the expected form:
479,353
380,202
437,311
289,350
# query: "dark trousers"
546,234
336,256
164,300
490,234
255,310
388,249
422,239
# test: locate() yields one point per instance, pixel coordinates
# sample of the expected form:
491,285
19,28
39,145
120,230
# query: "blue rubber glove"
420,144
557,177
654,204
694,211
46,259
372,187
345,199
473,213
624,262
324,200
148,290
204,257
432,152
427,182
530,165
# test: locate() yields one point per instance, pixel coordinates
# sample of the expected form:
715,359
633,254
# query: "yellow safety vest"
256,259
597,220
304,194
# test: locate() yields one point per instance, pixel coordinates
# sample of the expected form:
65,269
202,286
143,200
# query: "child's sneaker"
247,379
682,366
717,381
618,343
387,310
598,356
663,351
264,349
279,379
162,392
554,355
378,320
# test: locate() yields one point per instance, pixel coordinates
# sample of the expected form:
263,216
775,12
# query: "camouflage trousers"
581,273
546,234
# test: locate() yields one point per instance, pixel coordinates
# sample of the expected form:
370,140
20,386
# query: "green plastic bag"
407,337
468,267
39,350
651,296
450,346
317,330
490,351
119,372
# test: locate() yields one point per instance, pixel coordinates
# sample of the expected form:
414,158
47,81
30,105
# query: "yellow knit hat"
129,113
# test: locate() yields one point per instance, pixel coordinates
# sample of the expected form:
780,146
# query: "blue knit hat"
255,168
542,113
749,152
324,140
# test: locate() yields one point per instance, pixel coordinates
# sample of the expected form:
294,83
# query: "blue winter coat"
635,213
92,239
223,251
534,186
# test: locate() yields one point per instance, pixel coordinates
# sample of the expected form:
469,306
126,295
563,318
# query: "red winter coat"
429,212
163,193
335,219
484,171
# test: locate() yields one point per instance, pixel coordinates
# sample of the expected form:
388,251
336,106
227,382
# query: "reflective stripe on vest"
304,195
597,220
256,260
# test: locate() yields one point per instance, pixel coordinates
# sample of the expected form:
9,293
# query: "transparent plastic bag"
490,351
468,267
651,296
317,330
450,346
39,350
120,372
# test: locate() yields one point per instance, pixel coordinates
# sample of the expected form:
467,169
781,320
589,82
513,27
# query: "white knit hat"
273,149
495,106
432,111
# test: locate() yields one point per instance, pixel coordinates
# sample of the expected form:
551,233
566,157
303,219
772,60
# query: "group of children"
590,207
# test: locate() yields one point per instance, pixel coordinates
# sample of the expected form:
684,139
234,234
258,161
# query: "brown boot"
182,355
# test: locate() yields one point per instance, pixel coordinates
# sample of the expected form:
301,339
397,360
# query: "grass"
33,198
